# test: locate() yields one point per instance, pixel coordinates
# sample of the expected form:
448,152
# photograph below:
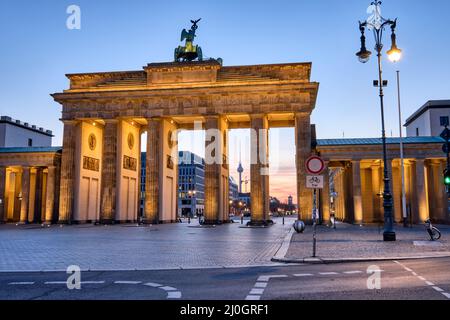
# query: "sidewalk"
351,243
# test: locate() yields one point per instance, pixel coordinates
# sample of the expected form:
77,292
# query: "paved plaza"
132,247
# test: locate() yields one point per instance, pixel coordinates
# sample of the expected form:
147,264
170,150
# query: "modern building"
191,184
426,122
234,189
15,133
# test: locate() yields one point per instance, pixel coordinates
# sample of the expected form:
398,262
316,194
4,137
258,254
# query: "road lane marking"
353,272
174,295
260,284
167,288
127,282
303,275
24,283
92,282
254,298
255,291
429,283
328,273
152,284
55,282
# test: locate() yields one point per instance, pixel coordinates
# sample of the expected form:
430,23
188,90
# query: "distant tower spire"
240,169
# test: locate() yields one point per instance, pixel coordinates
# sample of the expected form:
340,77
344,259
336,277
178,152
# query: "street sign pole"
314,223
315,166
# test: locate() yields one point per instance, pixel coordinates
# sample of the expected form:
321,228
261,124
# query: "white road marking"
256,291
429,283
267,278
55,282
167,288
152,284
174,295
353,272
328,273
260,284
20,283
254,298
92,282
303,275
127,282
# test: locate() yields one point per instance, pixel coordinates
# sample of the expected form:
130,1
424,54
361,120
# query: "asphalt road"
413,279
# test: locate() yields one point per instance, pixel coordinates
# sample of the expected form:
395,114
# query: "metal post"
389,233
402,160
314,217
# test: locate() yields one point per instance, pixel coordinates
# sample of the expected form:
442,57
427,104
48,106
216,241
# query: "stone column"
24,204
303,151
397,190
325,196
376,191
33,194
444,198
216,170
259,170
2,194
50,195
109,172
357,195
151,204
436,189
67,179
421,189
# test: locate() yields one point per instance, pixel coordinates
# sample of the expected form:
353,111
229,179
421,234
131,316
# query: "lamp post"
377,24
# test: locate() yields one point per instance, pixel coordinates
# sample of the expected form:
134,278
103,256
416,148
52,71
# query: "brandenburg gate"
104,115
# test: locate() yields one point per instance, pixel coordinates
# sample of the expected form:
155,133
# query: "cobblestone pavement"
356,242
131,247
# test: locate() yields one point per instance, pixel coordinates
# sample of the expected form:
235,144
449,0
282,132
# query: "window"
30,142
417,132
444,121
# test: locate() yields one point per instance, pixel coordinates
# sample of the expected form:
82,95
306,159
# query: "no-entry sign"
315,165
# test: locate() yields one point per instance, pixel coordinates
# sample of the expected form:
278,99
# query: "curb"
350,260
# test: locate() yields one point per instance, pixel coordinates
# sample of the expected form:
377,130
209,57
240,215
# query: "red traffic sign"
315,165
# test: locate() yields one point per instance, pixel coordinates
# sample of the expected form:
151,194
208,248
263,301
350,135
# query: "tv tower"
240,169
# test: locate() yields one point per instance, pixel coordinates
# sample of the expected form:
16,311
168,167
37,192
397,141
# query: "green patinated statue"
190,51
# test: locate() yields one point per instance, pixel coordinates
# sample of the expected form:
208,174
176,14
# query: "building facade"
15,133
426,122
191,184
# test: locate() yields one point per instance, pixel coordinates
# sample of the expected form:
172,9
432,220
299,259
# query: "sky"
37,50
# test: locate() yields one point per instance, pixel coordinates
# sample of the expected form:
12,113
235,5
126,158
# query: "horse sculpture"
190,51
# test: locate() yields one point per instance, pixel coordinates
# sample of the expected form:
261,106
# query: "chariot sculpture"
189,52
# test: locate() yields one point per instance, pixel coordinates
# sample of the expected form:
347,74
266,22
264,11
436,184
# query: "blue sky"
37,50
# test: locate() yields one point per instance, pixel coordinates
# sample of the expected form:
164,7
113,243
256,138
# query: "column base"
47,223
64,222
149,222
107,221
389,237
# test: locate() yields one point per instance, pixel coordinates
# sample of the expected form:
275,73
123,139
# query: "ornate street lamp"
377,24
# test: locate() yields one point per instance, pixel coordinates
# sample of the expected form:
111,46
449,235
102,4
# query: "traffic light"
447,177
